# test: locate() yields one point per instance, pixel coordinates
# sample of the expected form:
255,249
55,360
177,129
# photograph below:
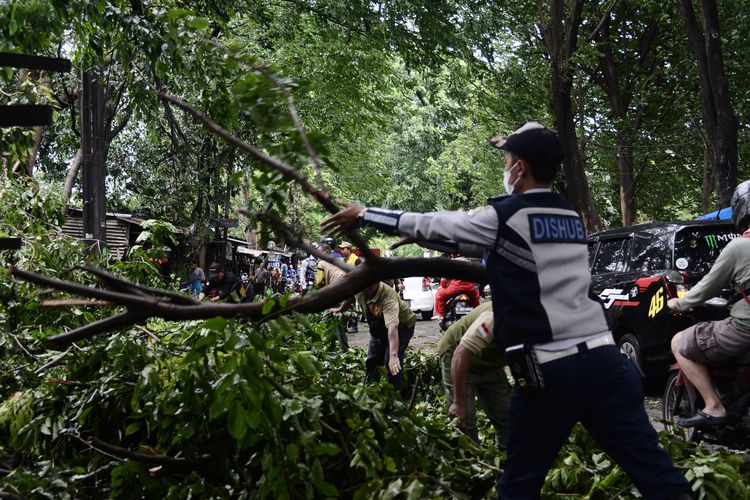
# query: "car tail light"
425,284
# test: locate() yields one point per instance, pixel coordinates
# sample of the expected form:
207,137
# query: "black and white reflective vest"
539,272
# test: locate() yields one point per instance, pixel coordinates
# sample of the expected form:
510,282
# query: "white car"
420,297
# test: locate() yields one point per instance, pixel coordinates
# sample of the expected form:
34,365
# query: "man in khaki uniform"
391,325
352,259
468,357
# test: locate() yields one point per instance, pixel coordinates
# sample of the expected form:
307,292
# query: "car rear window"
652,251
696,248
611,257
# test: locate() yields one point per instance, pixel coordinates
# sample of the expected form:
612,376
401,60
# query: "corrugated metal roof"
118,233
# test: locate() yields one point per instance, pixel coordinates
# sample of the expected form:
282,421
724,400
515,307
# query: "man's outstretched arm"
455,229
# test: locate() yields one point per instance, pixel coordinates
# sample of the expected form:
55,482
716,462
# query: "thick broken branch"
111,324
124,286
74,302
143,307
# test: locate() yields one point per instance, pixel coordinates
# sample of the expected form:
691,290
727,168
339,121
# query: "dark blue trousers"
600,389
378,354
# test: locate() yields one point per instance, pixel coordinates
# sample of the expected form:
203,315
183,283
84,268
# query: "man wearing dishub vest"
553,330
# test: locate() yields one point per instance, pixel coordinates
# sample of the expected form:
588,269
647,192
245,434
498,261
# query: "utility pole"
92,145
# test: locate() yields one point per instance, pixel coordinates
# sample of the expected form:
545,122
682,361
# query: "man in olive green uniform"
391,325
478,373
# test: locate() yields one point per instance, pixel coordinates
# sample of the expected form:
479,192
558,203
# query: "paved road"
427,334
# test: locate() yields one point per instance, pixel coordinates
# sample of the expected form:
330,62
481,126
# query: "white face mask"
506,179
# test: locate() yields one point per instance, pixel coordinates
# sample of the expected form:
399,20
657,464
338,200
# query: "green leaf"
132,428
414,490
237,421
293,407
217,324
178,13
292,452
268,306
198,23
327,449
305,363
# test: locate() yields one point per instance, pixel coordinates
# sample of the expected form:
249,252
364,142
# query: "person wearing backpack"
308,272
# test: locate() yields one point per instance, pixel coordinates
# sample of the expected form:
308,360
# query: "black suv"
636,269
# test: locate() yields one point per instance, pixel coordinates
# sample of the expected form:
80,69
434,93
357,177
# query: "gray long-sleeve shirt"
731,269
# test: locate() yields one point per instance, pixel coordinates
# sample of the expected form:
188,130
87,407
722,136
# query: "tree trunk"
718,115
36,140
70,177
627,198
36,137
708,184
251,236
561,38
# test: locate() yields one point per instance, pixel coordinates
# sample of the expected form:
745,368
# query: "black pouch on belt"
524,367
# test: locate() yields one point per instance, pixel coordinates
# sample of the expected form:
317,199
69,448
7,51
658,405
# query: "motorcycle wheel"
677,403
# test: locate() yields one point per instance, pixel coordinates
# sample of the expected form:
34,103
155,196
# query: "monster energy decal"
713,240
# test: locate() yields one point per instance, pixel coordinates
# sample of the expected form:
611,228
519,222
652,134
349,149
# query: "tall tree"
719,119
560,31
626,38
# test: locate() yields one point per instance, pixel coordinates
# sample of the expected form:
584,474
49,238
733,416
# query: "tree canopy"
398,99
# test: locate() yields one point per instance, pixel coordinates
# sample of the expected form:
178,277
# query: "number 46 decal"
657,303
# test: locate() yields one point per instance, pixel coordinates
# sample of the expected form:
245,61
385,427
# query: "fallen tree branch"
108,325
340,436
23,348
94,474
52,363
148,332
142,307
121,285
74,302
172,463
413,398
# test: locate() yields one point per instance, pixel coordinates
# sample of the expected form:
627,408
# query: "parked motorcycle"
456,308
681,400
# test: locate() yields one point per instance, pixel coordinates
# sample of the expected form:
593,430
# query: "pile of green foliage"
224,408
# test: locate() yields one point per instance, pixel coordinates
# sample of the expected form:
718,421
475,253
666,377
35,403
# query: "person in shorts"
716,343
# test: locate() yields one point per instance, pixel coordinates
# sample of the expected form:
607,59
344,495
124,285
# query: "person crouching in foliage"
226,284
391,325
472,368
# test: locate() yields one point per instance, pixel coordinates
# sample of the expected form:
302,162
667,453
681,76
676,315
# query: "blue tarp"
723,214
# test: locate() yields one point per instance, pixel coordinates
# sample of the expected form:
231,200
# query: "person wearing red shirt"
450,288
